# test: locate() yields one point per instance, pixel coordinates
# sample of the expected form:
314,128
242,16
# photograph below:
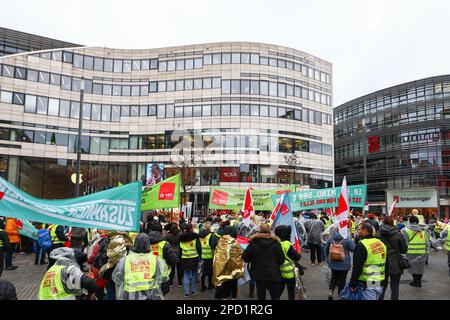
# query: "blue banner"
114,209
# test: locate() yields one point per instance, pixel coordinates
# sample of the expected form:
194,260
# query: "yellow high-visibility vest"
53,236
51,287
373,268
288,267
189,249
416,242
140,272
206,249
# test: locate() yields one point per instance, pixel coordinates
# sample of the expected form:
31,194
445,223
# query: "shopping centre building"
405,131
242,107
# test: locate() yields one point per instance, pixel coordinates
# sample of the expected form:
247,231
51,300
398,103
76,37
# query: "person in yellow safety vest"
162,249
58,237
292,257
140,274
445,235
4,246
65,280
206,238
418,245
325,220
416,213
369,263
191,250
354,226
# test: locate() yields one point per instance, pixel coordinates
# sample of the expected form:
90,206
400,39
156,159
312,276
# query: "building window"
66,83
98,64
88,62
180,64
126,65
207,59
77,61
67,56
30,103
18,98
125,111
53,107
235,57
206,83
32,75
198,63
108,65
135,90
235,86
235,109
42,104
171,65
107,89
55,79
117,65
206,110
96,112
189,64
153,86
20,73
216,58
216,83
137,65
64,108
153,64
74,110
44,77
226,109
188,84
226,86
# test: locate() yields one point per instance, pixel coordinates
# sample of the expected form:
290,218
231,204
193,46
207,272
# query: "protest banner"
163,195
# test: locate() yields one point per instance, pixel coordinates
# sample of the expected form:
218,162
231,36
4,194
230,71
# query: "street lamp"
80,124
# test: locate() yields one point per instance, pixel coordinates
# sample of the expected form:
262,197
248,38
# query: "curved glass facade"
406,130
247,106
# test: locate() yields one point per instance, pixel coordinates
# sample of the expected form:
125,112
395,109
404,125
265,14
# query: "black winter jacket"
5,239
174,240
169,254
394,242
265,256
191,264
284,233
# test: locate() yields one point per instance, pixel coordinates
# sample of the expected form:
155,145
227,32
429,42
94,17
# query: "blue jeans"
40,253
190,276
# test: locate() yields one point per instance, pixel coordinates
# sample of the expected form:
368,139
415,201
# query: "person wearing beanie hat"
264,255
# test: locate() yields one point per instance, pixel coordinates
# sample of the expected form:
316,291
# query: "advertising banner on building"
325,198
233,199
229,174
114,209
414,198
165,194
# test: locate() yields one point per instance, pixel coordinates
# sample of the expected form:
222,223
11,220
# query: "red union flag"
342,210
391,209
219,197
166,191
247,208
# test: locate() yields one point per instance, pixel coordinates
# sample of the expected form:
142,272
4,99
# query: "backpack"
43,239
337,252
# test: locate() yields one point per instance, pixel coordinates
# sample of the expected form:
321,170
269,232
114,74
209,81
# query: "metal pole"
80,124
364,151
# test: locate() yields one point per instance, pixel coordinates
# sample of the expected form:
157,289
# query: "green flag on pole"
163,195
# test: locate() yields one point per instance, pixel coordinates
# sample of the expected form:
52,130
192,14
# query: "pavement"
435,283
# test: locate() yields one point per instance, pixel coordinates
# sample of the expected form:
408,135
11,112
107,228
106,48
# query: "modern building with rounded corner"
405,131
243,107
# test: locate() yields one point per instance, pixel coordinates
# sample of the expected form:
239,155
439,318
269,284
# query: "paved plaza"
436,281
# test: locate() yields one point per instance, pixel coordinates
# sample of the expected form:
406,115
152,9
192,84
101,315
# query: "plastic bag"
327,273
348,294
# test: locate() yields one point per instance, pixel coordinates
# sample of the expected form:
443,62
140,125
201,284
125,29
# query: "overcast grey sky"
372,44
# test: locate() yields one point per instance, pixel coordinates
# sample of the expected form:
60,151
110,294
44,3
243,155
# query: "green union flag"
163,195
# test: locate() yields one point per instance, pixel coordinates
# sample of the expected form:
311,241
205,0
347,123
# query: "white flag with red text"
341,214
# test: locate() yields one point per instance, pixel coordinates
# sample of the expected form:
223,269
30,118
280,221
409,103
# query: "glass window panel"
57,55
263,61
207,83
207,59
216,58
289,65
198,63
281,63
273,89
235,86
316,74
126,65
264,88
42,104
96,87
96,112
235,57
74,110
32,75
311,116
297,67
64,108
254,87
107,89
245,58
104,145
273,62
88,62
310,72
135,90
6,97
125,111
77,61
179,85
311,95
170,109
144,90
235,110
216,83
161,86
134,111
226,109
281,90
55,79
66,83
136,65
254,58
44,77
180,64
188,111
40,137
98,64
108,65
197,111
53,107
117,65
95,145
126,90
67,56
245,86
226,86
198,83
273,112
76,84
86,111
289,90
264,111
206,110
106,112
152,110
245,110
189,64
178,112
61,139
143,111
188,84
254,110
171,65
281,112
215,110
153,64
116,90
30,103
20,73
304,93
